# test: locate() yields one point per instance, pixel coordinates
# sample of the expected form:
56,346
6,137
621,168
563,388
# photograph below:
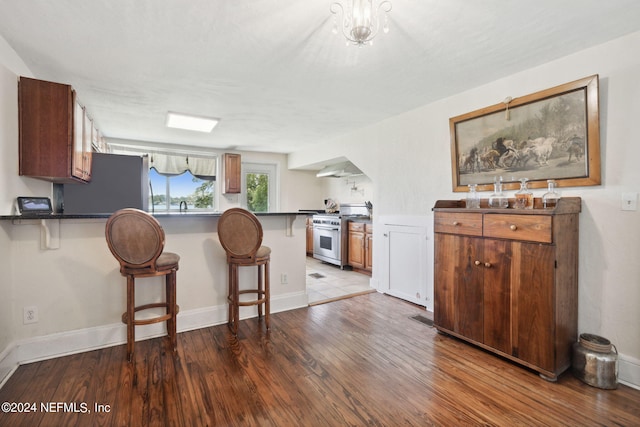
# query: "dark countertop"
363,220
157,215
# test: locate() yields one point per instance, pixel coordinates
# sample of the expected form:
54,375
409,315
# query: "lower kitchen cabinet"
507,280
309,224
360,246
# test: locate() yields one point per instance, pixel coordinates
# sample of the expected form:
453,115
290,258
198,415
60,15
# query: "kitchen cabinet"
309,236
53,142
232,173
507,280
360,246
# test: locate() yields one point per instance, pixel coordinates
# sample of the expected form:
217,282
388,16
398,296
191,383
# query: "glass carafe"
473,198
498,199
524,197
550,198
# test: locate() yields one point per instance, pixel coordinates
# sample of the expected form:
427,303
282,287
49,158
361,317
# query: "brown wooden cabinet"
54,143
507,280
360,246
232,173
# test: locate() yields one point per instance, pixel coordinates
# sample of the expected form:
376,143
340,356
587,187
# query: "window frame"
272,170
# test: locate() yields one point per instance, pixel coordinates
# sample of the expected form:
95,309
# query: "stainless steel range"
330,233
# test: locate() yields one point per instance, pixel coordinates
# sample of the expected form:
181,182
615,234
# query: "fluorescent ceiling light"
189,122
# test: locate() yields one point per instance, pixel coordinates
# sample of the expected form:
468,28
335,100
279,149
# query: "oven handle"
319,227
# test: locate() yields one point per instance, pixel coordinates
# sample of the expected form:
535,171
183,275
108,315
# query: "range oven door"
326,244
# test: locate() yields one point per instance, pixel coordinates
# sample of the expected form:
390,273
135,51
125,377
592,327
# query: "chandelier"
360,21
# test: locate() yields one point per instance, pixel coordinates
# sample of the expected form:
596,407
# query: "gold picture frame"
551,134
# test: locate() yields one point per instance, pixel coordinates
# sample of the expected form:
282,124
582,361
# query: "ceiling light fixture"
191,122
360,21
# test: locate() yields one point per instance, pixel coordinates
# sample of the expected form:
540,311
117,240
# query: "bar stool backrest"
240,233
135,238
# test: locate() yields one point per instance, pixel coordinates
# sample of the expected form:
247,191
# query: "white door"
408,261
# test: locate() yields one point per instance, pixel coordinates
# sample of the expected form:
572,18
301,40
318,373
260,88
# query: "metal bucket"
594,363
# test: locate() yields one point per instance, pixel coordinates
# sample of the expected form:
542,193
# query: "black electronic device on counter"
34,206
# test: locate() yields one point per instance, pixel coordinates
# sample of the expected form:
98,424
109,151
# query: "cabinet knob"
487,264
456,223
477,262
513,227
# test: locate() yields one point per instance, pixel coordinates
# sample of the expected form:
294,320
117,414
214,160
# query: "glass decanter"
498,199
473,198
550,198
524,197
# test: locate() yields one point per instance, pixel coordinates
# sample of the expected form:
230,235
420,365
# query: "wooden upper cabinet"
232,177
52,135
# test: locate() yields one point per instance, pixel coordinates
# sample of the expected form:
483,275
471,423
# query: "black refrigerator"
117,182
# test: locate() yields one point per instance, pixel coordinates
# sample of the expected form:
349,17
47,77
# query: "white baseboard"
81,340
629,371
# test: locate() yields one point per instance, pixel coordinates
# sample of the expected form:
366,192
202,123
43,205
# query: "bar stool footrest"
151,320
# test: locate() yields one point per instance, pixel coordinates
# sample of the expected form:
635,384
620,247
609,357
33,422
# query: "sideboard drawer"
533,228
458,223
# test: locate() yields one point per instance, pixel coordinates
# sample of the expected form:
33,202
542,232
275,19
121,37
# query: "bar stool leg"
230,295
267,294
234,307
131,313
170,288
260,289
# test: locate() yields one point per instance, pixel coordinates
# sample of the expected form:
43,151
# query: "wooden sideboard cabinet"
232,173
507,280
360,246
55,132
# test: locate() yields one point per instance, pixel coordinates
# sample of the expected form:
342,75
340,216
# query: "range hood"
339,170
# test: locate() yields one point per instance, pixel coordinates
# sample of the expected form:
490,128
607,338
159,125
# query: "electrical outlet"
284,279
30,314
629,201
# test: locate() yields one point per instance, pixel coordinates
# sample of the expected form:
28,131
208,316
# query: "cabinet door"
45,115
458,287
232,171
78,135
533,290
309,236
356,249
368,251
87,139
497,294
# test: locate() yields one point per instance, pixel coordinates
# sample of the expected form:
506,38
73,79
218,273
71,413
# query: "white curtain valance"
171,165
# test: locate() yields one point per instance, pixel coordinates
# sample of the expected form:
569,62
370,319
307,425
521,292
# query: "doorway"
327,282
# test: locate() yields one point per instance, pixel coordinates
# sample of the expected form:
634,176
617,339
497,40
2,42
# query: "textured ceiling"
274,72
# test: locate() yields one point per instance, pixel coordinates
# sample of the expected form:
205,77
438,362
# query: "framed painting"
551,134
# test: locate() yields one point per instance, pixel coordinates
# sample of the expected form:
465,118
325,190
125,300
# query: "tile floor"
326,282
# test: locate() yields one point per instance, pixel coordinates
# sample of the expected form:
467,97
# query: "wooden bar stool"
240,235
136,240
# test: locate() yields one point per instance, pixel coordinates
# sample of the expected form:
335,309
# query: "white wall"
356,189
408,160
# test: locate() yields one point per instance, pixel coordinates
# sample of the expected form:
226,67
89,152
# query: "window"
257,192
259,185
167,192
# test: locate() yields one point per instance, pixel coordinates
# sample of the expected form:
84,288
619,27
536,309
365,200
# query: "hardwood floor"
358,361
